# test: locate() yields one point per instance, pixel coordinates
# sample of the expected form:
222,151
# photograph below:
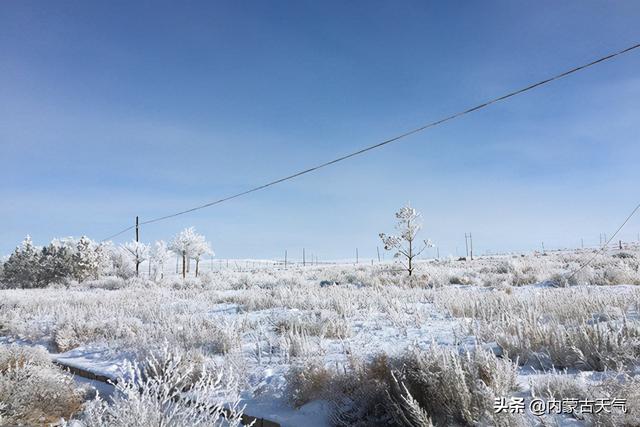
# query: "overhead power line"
390,140
606,244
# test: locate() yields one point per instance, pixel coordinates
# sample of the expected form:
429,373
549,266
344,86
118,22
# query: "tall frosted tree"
189,245
405,243
22,269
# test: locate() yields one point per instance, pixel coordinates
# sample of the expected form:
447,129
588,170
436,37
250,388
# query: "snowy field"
347,344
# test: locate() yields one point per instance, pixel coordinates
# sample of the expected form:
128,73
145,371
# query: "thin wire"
604,247
390,140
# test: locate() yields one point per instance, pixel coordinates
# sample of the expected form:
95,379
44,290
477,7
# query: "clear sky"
111,109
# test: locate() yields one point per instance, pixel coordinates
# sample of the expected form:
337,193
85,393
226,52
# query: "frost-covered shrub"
558,386
32,390
307,382
619,386
317,324
438,384
458,388
167,391
108,283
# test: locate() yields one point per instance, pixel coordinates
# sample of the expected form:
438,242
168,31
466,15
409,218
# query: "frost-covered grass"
579,327
434,348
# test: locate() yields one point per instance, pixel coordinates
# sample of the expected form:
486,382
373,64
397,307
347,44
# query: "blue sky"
114,109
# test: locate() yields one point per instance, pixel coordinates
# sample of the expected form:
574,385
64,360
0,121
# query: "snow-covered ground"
259,324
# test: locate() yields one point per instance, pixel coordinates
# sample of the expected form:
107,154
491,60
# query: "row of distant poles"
468,243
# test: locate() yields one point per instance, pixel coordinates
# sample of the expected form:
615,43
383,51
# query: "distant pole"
304,261
620,244
466,244
285,258
471,246
356,255
438,252
582,243
378,250
543,247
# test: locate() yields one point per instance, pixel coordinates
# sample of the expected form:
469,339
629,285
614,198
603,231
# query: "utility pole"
471,246
620,244
438,252
582,243
543,248
285,258
356,255
303,258
378,250
137,240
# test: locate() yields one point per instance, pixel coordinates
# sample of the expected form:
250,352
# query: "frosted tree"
188,244
56,263
23,266
87,259
199,249
181,245
160,257
138,252
405,245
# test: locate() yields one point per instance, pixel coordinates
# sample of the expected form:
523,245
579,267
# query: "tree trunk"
184,265
197,264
